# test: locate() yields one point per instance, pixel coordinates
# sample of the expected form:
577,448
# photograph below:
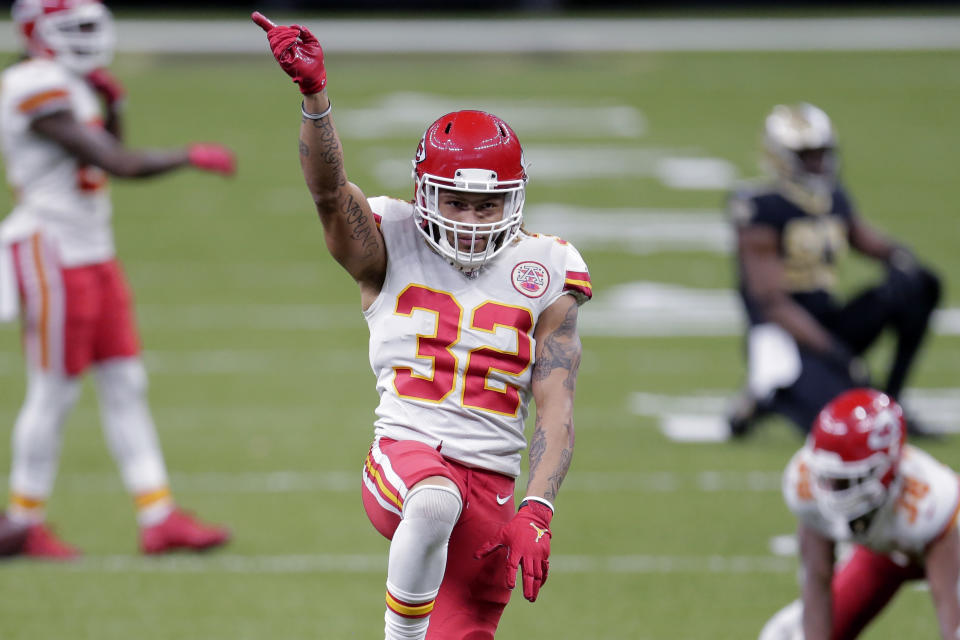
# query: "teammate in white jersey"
856,481
470,316
57,259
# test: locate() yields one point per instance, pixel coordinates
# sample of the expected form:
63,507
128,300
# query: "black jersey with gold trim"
811,239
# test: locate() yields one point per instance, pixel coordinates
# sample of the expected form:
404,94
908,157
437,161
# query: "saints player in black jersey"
803,343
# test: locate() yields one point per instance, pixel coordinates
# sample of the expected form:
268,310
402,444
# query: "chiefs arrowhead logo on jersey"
531,279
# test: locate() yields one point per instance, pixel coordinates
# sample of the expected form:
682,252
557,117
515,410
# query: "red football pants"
474,592
862,587
72,316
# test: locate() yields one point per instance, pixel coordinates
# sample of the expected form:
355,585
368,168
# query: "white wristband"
316,116
542,501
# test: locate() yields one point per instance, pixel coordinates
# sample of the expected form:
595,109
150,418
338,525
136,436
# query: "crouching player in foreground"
61,127
857,481
469,316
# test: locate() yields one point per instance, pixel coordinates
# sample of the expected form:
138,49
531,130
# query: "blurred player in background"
803,345
58,251
469,315
856,481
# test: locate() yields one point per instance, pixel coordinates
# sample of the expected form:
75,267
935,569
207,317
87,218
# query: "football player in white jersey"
57,253
856,481
469,316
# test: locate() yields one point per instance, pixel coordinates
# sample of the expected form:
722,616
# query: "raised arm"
349,227
942,562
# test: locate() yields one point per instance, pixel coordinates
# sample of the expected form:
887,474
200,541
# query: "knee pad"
121,378
436,510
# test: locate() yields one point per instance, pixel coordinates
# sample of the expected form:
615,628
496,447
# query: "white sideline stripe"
401,115
377,564
349,481
201,362
250,316
543,35
637,230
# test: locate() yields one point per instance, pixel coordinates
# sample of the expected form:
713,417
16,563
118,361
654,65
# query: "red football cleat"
181,531
41,542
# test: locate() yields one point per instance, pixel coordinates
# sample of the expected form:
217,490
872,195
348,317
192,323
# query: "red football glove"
104,83
527,540
298,52
212,157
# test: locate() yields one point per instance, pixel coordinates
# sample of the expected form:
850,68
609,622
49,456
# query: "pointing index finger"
265,23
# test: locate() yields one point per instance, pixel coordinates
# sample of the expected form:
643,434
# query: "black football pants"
903,302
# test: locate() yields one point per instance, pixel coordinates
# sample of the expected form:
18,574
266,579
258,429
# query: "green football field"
264,398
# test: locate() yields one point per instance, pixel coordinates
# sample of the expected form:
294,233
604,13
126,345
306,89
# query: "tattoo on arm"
561,350
538,444
559,474
361,229
331,154
304,149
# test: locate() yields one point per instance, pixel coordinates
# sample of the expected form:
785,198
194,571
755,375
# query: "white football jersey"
54,193
452,355
925,505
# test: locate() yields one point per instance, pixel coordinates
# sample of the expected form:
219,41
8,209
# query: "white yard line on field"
400,115
701,417
267,482
674,168
376,564
658,309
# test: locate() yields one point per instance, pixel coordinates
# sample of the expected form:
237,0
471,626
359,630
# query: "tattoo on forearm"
556,478
331,152
304,149
561,350
360,228
538,445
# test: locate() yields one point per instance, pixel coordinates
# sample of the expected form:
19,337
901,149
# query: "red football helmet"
475,152
856,444
77,33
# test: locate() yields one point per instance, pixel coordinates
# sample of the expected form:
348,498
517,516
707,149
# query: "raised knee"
437,504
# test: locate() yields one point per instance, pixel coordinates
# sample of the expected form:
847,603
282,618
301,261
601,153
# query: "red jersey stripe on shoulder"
578,281
581,288
377,218
41,99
